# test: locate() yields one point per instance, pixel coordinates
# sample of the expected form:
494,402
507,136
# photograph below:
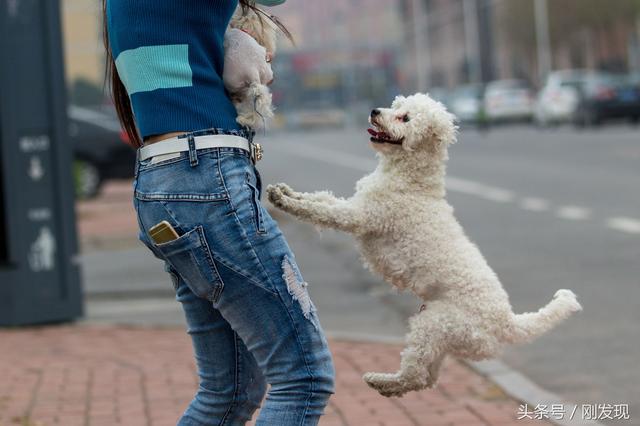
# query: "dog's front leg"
319,196
320,208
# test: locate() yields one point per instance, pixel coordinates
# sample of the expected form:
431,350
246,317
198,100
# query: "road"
549,209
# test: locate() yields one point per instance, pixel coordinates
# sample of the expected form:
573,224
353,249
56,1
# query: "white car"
508,100
559,98
466,103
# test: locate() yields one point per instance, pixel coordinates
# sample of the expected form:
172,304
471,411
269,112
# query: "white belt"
176,145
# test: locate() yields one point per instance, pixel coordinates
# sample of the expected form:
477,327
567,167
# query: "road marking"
498,195
535,204
463,186
478,189
573,213
624,224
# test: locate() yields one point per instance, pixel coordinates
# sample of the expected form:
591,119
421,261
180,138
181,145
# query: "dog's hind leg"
420,359
434,371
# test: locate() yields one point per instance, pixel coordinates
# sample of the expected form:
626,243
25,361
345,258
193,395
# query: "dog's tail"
526,327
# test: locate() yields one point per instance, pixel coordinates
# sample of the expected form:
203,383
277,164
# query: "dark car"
101,149
604,97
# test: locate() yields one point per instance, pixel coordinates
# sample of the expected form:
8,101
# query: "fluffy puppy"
408,234
250,44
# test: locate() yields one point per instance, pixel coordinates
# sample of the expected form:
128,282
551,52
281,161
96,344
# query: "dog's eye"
405,118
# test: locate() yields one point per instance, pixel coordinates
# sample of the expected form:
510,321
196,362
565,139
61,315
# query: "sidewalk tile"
127,376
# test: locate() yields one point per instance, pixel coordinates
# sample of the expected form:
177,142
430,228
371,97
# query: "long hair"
119,94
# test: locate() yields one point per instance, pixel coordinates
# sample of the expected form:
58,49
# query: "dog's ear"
448,133
436,130
444,131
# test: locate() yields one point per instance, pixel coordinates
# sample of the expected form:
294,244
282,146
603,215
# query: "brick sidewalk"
110,375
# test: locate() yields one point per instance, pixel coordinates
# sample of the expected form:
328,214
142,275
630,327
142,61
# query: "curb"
116,295
513,383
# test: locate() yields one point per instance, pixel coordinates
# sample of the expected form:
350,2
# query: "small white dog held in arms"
250,44
408,234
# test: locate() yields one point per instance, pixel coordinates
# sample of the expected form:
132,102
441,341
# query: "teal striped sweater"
169,55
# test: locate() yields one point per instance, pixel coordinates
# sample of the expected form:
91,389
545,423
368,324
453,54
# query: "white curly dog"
408,234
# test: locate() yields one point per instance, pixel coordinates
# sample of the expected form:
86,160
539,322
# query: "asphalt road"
549,209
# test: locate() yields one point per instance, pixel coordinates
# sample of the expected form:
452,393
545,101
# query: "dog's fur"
408,234
250,43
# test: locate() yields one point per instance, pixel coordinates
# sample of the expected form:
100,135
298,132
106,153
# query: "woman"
246,306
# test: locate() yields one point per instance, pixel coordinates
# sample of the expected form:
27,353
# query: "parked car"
508,100
605,97
466,103
558,99
101,149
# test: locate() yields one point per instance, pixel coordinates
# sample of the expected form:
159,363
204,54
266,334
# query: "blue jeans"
246,305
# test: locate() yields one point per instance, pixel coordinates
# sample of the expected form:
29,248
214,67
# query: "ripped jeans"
246,305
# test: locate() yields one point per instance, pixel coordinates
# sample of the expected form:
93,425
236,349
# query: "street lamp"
420,24
543,43
472,39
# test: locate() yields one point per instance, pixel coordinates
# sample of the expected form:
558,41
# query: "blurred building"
470,40
456,37
339,23
365,50
589,34
345,53
84,50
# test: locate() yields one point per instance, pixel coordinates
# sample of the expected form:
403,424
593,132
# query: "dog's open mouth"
383,137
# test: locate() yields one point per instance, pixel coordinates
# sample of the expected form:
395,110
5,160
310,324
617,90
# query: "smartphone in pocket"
163,233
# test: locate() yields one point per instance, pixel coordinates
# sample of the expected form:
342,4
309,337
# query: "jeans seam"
257,214
255,253
236,380
224,184
216,291
302,353
248,240
242,273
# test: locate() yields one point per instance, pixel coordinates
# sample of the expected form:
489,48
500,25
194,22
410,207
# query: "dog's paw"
286,190
278,194
387,385
570,298
274,194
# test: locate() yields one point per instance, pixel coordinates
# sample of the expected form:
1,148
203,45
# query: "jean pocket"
190,257
255,204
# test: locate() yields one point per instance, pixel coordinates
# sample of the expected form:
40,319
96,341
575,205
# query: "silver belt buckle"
256,152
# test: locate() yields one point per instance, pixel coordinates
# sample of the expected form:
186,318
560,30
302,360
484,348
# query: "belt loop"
193,153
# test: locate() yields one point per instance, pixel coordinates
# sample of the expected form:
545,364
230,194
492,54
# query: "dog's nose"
375,112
